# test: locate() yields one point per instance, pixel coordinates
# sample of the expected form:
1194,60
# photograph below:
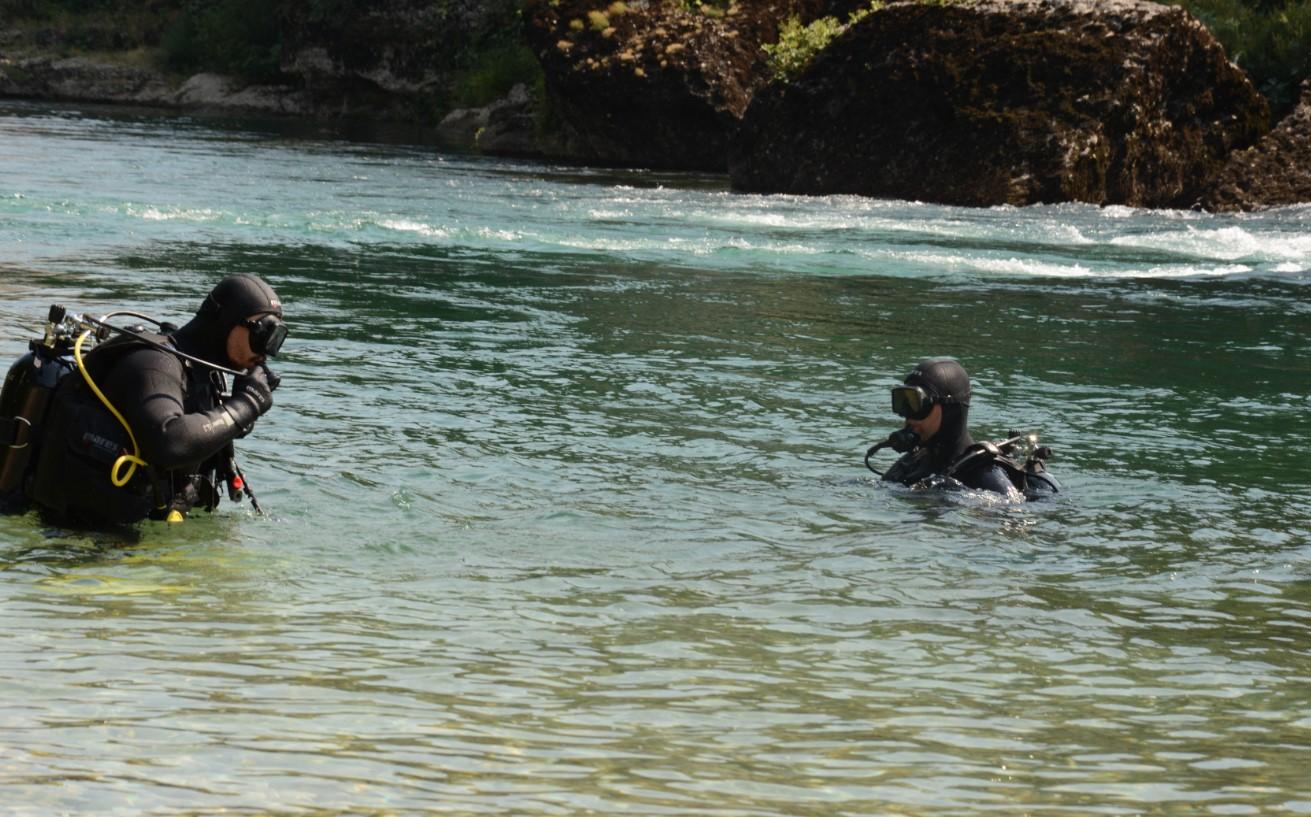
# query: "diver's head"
934,396
239,323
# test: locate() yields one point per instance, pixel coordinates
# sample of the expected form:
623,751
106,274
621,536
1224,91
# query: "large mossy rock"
1276,171
657,84
988,102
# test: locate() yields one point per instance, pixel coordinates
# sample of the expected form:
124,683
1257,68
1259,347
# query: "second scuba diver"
174,412
938,450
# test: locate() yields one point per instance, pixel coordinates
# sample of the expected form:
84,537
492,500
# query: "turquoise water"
567,512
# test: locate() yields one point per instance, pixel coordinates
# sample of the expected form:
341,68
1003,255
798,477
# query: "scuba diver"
935,443
142,426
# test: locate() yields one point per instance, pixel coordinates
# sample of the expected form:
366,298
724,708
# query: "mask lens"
911,402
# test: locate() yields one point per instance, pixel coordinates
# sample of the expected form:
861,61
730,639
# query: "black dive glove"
252,395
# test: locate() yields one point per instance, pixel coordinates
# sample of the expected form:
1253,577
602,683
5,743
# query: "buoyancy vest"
923,466
82,440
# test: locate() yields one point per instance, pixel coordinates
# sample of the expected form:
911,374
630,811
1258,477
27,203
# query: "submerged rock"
990,102
1276,171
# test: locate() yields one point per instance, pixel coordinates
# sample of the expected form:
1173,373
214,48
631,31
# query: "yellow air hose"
133,459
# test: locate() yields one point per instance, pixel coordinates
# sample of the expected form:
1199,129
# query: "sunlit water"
566,510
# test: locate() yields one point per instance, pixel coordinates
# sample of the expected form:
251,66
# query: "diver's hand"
255,387
252,396
274,379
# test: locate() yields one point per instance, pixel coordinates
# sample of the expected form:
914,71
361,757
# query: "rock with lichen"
1275,171
660,83
986,102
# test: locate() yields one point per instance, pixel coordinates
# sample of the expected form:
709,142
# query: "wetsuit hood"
944,378
947,381
232,301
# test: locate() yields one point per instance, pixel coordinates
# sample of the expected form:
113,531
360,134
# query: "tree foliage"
238,37
1269,39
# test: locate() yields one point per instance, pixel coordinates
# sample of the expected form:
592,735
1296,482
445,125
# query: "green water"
567,512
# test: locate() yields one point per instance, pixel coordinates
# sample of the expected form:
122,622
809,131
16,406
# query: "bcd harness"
1028,475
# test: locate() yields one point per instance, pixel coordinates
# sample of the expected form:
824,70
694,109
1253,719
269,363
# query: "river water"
567,515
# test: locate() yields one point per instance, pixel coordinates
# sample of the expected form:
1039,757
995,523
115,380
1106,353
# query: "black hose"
160,346
873,450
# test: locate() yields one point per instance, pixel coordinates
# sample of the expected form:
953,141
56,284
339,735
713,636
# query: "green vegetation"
797,44
238,37
1269,39
494,72
80,27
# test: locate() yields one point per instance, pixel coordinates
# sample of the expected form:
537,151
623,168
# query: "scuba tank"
24,402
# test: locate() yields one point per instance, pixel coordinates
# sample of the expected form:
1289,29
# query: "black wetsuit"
934,460
173,407
174,412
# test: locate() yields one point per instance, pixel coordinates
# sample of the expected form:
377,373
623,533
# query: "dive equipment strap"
134,459
15,432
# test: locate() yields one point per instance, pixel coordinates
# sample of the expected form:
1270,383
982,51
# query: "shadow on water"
49,543
149,561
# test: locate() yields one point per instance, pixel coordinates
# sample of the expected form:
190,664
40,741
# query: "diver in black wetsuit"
182,423
935,401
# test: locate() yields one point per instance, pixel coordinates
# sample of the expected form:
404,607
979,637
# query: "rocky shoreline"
78,79
975,102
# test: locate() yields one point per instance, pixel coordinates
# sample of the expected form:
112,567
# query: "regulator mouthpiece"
901,441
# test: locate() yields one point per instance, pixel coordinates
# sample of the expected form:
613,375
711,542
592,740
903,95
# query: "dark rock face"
1006,102
1276,171
655,84
512,128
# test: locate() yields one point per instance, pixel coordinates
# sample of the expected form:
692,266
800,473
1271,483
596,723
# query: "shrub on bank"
238,37
1269,39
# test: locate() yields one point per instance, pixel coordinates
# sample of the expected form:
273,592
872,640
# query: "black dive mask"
912,402
267,332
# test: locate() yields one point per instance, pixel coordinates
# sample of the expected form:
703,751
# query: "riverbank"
1123,102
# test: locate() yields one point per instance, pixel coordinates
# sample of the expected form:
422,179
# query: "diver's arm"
149,387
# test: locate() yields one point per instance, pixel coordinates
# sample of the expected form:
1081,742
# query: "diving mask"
912,402
267,332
